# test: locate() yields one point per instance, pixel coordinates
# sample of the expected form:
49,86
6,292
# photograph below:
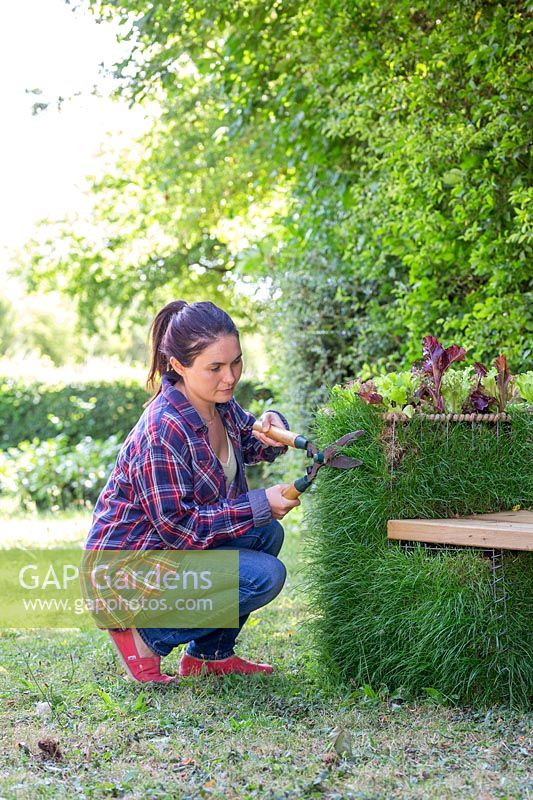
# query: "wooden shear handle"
291,492
285,437
282,436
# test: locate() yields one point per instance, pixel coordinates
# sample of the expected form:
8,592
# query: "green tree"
384,144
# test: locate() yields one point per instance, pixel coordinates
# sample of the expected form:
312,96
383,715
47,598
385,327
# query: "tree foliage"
383,146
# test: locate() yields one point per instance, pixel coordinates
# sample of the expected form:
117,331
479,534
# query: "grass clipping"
414,621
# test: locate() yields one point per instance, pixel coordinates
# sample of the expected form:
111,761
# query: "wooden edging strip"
507,535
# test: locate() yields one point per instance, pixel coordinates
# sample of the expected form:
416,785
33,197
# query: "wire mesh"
499,595
497,559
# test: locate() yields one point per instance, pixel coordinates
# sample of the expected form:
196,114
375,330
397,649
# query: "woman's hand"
280,505
267,419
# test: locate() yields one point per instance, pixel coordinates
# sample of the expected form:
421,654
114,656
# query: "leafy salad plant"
434,385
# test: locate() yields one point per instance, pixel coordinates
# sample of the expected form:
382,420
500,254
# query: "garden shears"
328,457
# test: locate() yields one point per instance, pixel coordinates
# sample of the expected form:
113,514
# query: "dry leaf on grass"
50,749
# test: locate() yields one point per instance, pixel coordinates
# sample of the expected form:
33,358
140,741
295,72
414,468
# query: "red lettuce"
479,398
436,362
481,370
502,381
368,392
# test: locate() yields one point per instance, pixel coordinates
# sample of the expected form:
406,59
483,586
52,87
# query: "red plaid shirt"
168,489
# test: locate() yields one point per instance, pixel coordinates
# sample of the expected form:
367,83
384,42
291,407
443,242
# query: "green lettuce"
456,386
524,384
396,389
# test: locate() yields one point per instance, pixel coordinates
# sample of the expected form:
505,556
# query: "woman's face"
214,374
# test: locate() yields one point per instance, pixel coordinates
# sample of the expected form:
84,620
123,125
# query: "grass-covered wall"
411,619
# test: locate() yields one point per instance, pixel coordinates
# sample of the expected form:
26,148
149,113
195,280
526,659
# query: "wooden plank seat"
507,530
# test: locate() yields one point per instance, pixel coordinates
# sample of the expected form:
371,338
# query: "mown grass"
265,737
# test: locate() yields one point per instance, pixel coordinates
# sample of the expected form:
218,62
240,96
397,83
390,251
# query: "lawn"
224,738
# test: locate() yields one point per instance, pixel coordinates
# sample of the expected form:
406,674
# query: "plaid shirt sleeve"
252,449
163,481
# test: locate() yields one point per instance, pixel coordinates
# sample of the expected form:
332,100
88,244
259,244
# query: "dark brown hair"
182,330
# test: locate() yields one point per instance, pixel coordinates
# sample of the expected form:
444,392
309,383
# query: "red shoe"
189,665
145,669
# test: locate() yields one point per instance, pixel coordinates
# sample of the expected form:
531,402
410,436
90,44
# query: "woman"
179,483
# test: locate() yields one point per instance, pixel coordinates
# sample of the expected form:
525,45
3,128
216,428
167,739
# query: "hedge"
54,474
69,467
75,411
39,411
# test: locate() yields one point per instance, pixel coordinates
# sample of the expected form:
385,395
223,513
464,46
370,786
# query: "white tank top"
230,466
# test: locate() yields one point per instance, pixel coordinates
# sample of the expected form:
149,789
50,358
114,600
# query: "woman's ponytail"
158,360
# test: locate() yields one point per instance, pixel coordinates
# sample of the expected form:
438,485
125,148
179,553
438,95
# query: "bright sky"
44,158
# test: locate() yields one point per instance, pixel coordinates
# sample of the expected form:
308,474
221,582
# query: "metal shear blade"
344,462
348,438
331,453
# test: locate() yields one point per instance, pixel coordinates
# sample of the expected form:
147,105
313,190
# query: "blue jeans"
261,578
